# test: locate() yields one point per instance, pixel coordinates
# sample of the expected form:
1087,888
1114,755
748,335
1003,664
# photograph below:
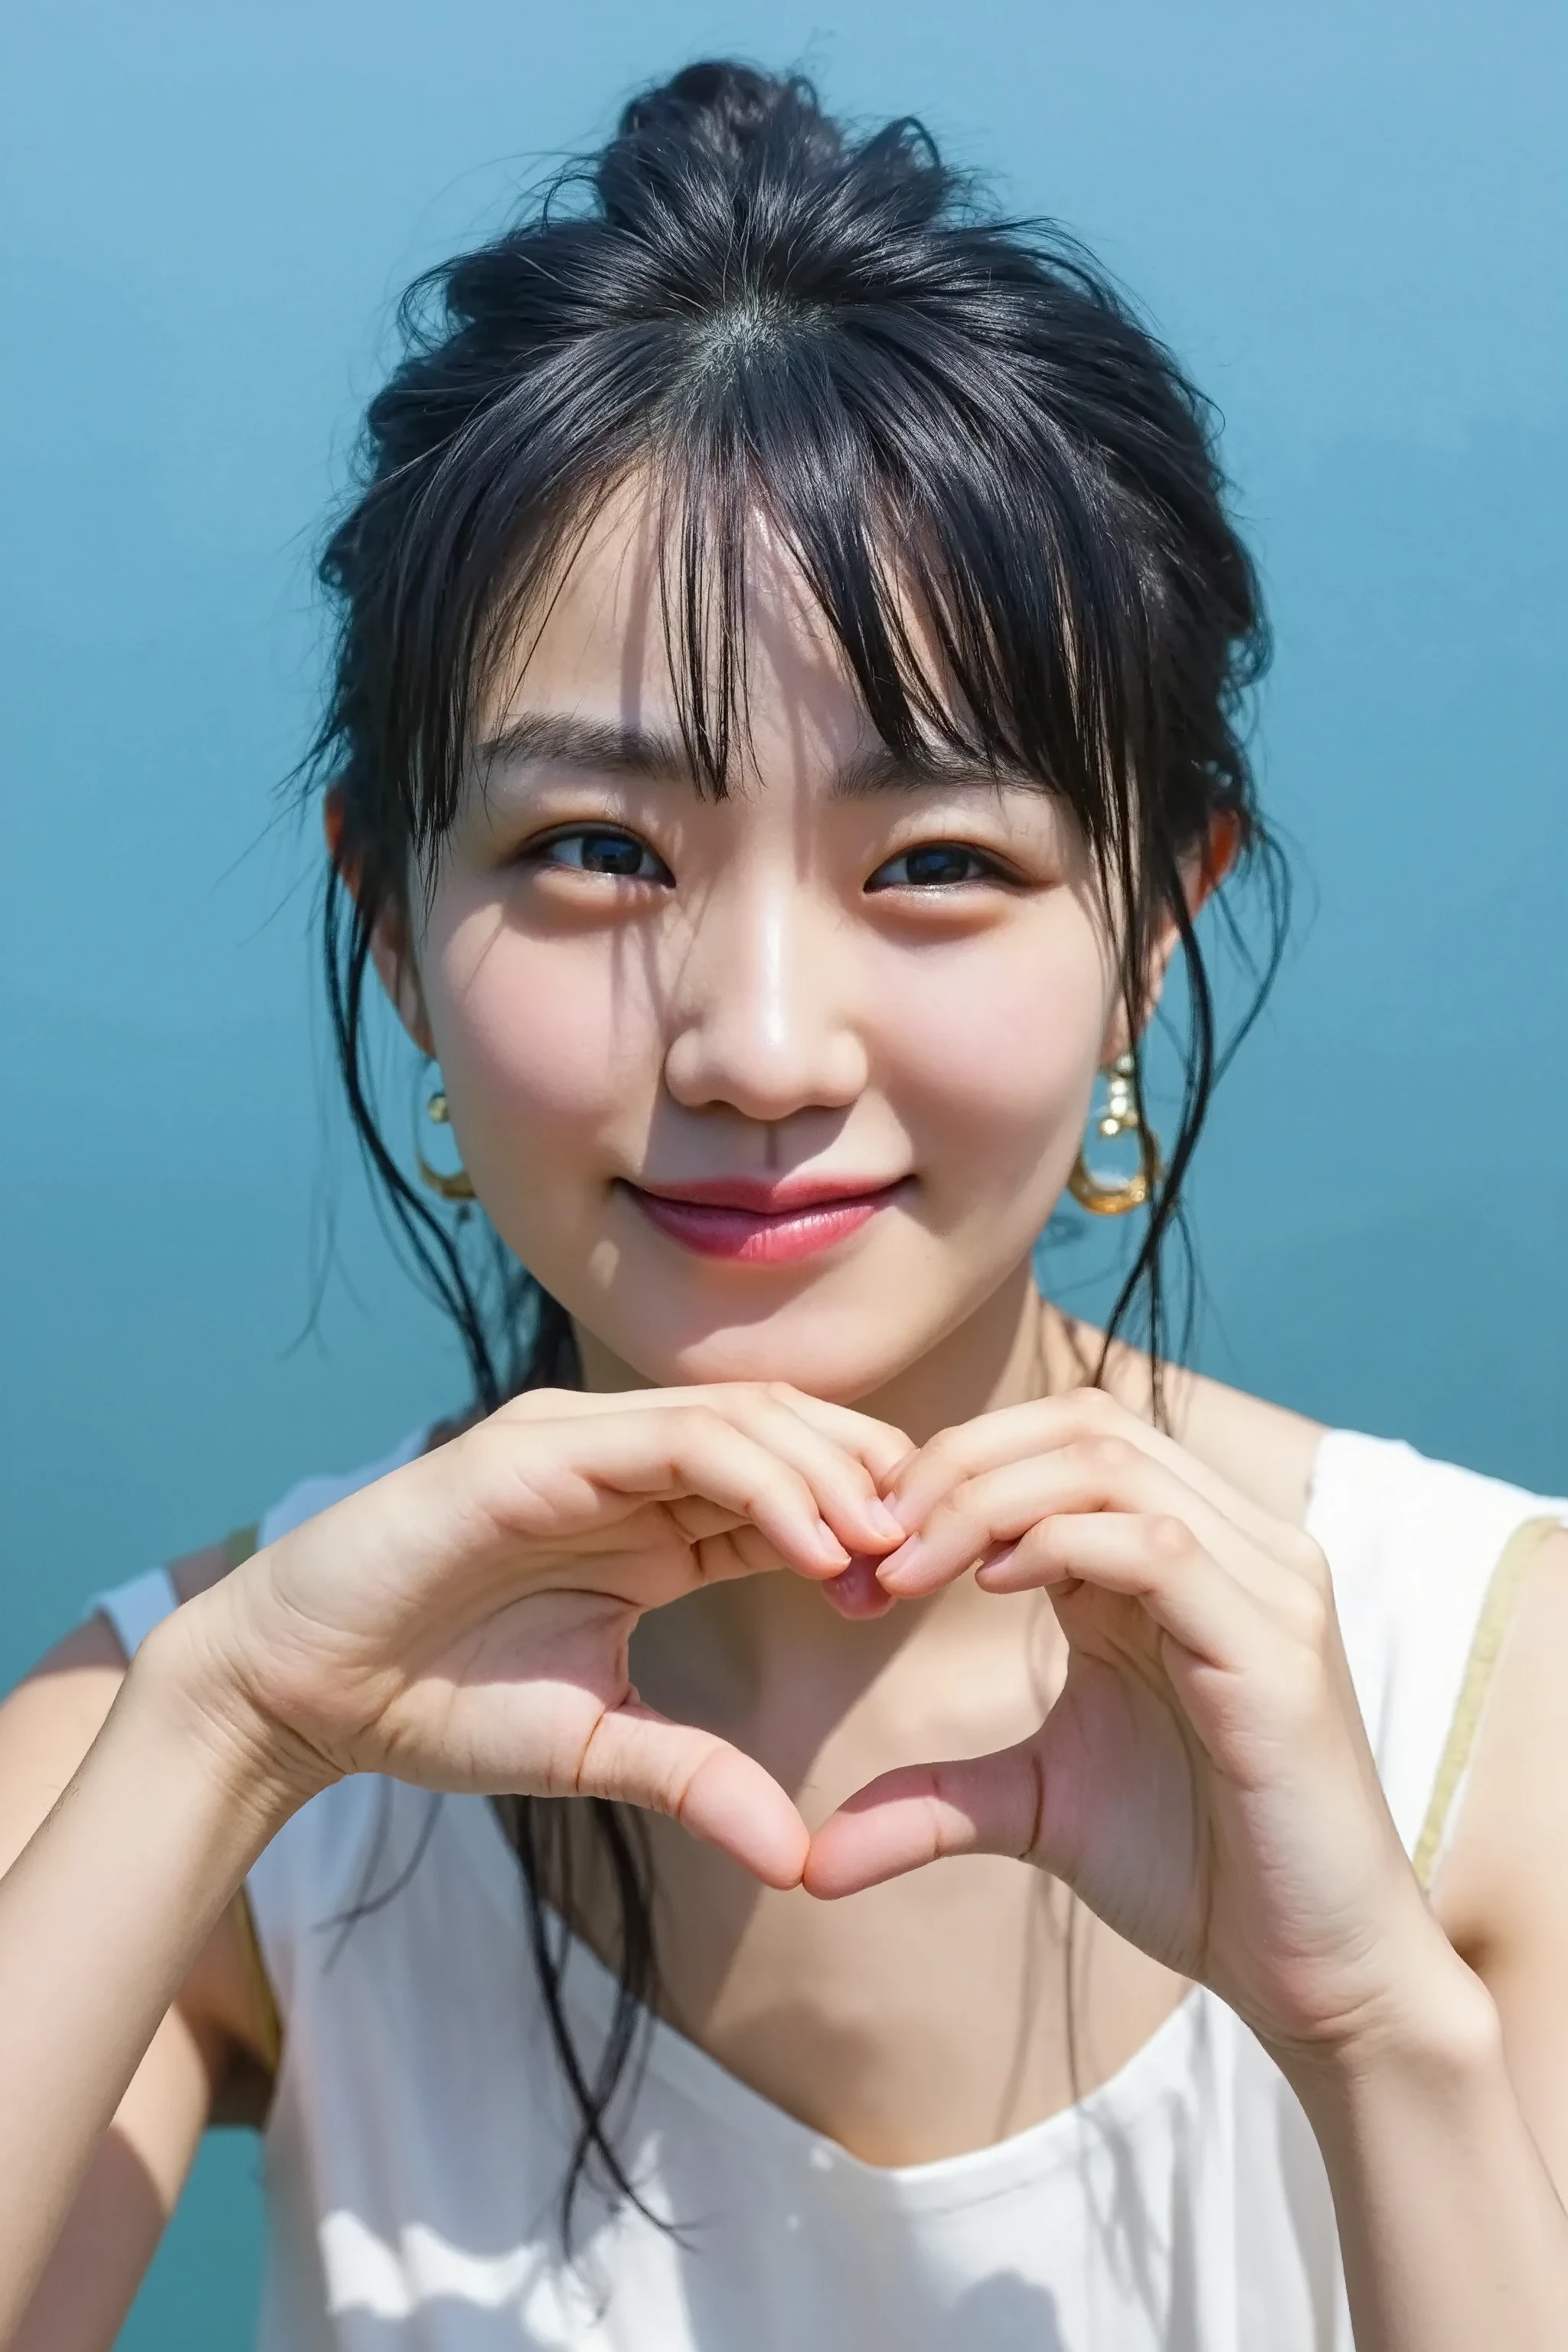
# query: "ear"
391,946
1203,869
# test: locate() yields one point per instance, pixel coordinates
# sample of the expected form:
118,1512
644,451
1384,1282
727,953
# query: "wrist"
1433,2030
259,1769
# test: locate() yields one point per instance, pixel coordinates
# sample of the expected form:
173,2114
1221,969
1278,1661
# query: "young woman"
785,723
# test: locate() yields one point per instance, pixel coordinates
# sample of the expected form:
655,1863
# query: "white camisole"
419,2130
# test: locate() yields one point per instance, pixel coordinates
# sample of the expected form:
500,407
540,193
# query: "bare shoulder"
1265,1451
61,1705
1502,1892
55,1714
198,1569
47,1725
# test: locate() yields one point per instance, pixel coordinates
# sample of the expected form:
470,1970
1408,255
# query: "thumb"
720,1794
902,1820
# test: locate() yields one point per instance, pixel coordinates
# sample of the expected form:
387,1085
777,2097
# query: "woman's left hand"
1204,1781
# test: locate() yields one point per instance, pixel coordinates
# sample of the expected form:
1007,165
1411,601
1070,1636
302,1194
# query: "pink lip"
762,1222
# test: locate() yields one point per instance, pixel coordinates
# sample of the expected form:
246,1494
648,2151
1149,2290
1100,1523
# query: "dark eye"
599,849
935,866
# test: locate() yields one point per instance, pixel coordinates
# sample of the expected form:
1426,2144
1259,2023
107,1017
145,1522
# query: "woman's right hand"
464,1623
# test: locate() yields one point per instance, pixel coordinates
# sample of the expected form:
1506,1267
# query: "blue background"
1348,218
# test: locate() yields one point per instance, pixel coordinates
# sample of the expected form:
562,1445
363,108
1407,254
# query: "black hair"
749,307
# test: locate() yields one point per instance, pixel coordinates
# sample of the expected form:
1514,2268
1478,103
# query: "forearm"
1452,2233
101,1917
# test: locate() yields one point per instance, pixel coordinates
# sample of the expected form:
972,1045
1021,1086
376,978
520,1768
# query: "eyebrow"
879,769
596,747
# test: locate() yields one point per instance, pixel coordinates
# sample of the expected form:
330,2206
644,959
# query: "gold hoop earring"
459,1184
1119,1117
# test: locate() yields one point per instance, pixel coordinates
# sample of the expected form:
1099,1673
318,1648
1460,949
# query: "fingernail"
896,1571
885,1521
828,1547
898,1504
997,1564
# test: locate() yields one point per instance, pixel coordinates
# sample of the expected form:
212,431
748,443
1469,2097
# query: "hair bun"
725,108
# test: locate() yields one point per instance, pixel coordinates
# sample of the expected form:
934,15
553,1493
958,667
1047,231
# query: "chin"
825,1355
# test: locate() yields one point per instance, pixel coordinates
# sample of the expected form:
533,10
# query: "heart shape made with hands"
1201,1779
973,1498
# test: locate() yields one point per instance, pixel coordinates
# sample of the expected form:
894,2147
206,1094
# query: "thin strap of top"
1497,1615
134,1609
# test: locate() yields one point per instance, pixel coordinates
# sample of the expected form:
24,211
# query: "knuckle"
1311,1615
1308,1558
1170,1538
535,1404
735,1401
1110,1456
958,1503
696,1423
1093,1409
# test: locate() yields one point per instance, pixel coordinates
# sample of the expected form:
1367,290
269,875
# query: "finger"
1101,1474
731,1550
880,1444
739,1550
1283,1538
924,1812
845,1455
1156,1561
856,1593
1048,1425
967,1450
692,1450
724,1797
572,1480
1011,1434
838,1451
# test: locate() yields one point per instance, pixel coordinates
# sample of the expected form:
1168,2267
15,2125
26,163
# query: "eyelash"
988,869
983,868
538,853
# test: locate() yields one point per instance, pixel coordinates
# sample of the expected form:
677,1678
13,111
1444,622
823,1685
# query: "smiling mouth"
760,1223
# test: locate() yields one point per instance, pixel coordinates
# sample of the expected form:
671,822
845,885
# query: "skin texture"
761,1011
623,1591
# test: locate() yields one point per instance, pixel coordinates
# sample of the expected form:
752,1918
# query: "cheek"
996,1041
535,1036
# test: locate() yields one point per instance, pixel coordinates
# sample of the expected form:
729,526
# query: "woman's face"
782,1085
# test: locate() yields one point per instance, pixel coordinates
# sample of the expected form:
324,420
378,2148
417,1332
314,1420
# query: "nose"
762,1021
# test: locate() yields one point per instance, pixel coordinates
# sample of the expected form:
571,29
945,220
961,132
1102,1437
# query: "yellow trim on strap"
1491,1631
237,1547
271,2024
